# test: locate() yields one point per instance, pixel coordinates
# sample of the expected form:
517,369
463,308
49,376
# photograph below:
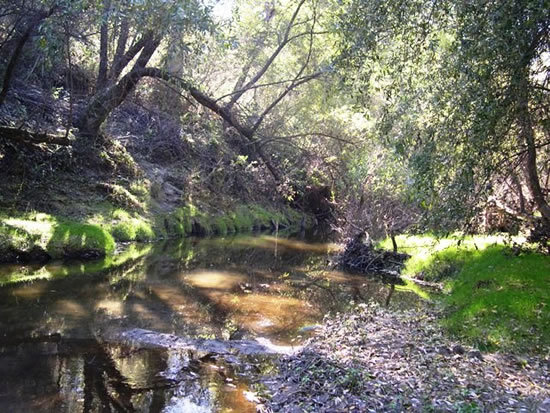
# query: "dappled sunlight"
143,314
264,313
213,279
71,308
39,227
184,304
271,242
23,274
411,286
30,291
111,307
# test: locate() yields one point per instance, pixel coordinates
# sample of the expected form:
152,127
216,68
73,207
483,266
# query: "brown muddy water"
56,321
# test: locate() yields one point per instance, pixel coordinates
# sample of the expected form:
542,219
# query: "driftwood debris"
361,256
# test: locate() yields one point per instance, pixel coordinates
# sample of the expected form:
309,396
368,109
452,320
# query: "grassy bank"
37,237
494,296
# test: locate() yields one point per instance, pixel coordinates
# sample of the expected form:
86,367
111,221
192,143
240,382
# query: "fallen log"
199,348
25,136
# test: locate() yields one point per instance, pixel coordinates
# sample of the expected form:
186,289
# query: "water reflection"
54,356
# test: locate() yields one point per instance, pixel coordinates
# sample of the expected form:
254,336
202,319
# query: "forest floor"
379,359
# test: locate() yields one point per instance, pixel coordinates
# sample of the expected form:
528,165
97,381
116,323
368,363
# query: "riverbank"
495,288
40,237
386,360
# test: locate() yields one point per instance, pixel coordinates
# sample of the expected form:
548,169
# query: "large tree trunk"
527,135
103,103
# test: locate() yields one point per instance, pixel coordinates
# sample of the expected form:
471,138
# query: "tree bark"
120,63
527,135
24,136
103,46
120,48
105,102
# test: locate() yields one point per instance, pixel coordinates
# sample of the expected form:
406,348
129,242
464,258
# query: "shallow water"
54,354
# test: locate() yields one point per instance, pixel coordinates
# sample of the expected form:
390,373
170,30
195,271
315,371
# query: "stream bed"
63,325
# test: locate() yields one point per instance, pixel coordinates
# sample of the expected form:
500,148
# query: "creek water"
55,321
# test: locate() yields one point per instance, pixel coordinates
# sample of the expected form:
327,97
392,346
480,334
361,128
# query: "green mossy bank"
39,237
494,295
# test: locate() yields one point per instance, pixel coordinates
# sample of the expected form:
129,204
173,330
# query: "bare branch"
271,58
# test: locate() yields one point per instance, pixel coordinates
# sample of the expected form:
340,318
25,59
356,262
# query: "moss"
132,229
121,196
494,298
144,232
75,240
124,231
32,236
15,238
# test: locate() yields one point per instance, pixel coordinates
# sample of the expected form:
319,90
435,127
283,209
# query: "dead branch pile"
361,256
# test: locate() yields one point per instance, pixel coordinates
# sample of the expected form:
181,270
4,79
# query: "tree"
139,29
24,19
464,89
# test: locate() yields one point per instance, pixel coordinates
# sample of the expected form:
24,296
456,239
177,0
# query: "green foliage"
443,83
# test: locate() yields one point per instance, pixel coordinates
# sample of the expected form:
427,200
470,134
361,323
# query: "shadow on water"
54,355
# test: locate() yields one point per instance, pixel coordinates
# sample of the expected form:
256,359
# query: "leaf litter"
376,359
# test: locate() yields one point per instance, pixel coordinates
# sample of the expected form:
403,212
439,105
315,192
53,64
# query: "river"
57,320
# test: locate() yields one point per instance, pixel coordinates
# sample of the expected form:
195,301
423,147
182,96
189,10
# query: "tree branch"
271,58
24,136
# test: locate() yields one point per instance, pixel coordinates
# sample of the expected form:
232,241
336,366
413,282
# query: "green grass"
498,300
493,298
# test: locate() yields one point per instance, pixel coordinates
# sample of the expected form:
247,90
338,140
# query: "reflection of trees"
147,292
101,377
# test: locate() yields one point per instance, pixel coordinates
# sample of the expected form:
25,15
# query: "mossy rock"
84,241
124,231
